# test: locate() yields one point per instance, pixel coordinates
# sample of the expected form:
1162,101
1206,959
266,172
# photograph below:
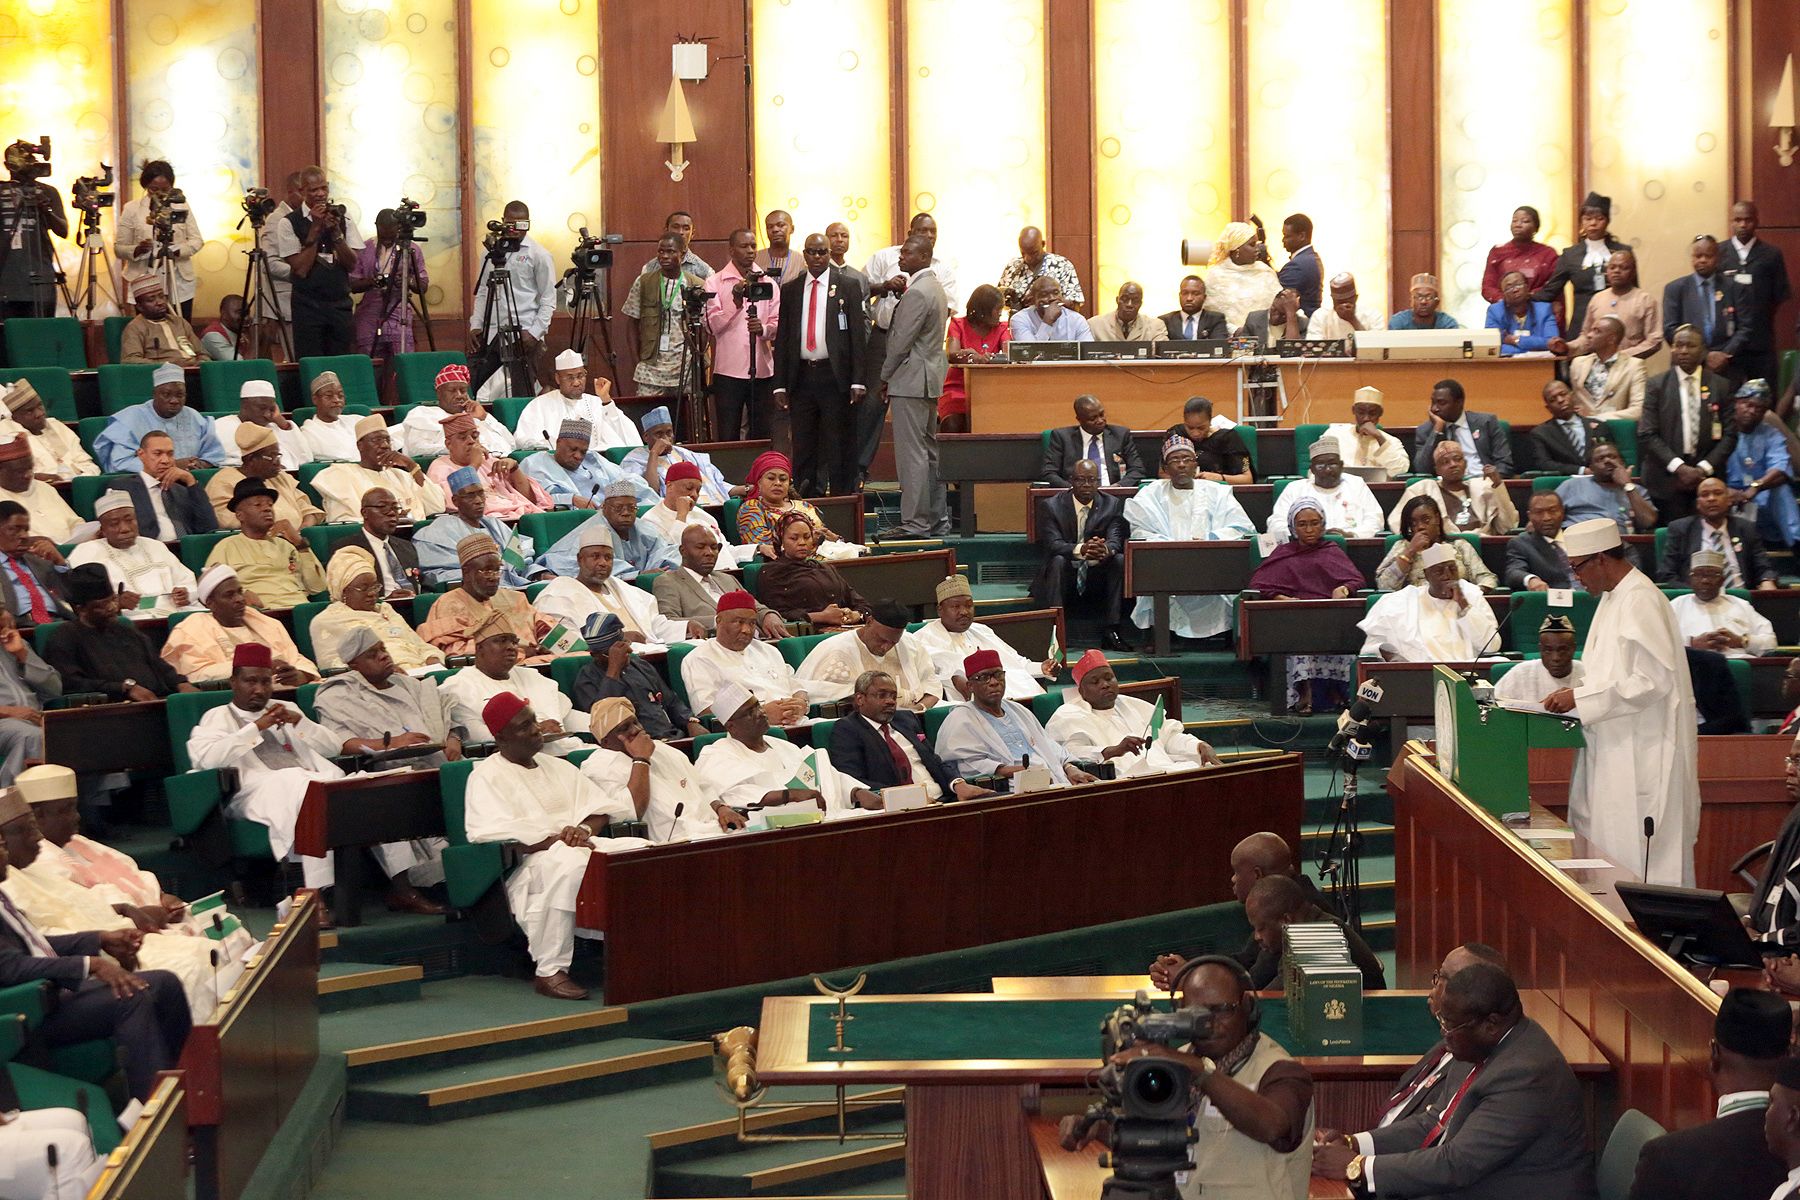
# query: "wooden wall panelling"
293,105
1069,140
1767,32
1412,144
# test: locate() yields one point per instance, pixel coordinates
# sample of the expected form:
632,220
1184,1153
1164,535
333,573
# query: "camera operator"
1253,1111
30,211
277,304
653,307
738,322
384,316
136,235
531,278
319,241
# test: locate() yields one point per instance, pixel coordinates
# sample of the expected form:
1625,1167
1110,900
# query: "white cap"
42,784
1706,558
728,699
597,533
256,387
211,578
1591,537
1437,552
568,360
109,502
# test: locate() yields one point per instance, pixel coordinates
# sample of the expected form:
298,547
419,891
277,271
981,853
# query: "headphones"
1251,1005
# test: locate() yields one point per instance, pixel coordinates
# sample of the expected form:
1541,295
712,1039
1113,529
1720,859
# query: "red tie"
812,317
1437,1131
902,768
40,611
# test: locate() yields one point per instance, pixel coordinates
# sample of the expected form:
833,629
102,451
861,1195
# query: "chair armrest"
30,1001
193,798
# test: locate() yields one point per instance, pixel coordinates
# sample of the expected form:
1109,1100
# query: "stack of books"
1324,990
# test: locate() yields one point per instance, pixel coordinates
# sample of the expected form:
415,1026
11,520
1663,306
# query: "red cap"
251,654
501,709
1090,660
681,470
737,599
452,373
981,660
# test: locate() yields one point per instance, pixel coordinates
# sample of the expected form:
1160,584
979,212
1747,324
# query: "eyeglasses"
1792,760
1450,1029
1438,977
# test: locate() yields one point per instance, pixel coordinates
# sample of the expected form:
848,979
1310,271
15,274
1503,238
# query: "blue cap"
602,630
167,373
463,477
656,416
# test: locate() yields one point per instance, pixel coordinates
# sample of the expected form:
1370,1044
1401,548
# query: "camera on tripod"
593,253
166,212
411,215
26,161
503,239
1146,1101
258,205
90,193
694,299
759,287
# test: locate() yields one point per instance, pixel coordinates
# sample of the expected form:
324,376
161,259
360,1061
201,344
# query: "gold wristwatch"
1353,1171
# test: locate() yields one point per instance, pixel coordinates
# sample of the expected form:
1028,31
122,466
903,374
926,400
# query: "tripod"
401,293
691,411
500,325
258,292
587,306
93,249
1341,862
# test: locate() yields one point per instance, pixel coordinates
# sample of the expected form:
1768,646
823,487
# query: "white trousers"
274,799
541,893
25,1141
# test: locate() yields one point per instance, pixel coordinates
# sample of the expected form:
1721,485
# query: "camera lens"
1154,1086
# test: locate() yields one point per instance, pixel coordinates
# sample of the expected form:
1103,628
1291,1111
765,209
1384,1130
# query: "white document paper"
1580,864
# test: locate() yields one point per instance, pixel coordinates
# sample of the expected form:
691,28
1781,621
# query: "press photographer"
515,295
320,244
388,273
30,211
1250,1104
742,315
157,235
665,302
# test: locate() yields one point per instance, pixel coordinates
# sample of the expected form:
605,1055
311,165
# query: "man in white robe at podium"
1636,705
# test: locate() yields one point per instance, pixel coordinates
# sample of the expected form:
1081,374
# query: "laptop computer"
1113,351
1219,348
1030,352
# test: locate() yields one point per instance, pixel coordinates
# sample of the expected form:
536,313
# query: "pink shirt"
728,321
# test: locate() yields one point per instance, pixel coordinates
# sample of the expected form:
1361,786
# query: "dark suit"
1068,446
818,391
150,1026
1568,270
1252,951
1716,696
1425,1084
661,712
1769,290
1556,452
1492,442
47,581
1305,274
1724,1157
1055,583
1517,1131
1731,305
858,751
403,549
1688,535
1533,554
1210,326
1256,325
1659,437
188,507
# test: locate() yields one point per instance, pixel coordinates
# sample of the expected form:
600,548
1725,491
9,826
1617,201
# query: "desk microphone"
1649,832
55,1176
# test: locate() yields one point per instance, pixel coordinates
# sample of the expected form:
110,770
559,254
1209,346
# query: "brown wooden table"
908,578
126,736
345,817
1161,570
152,1162
756,907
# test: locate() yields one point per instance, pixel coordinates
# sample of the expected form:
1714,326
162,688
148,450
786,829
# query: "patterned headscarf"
346,567
1304,504
1236,234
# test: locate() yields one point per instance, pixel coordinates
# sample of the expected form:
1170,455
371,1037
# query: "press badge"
1743,277
843,322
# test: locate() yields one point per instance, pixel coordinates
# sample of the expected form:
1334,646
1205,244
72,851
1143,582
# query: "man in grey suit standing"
1513,1127
912,378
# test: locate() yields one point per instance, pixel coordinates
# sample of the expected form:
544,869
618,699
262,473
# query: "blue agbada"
587,481
714,487
117,445
643,550
436,544
1754,455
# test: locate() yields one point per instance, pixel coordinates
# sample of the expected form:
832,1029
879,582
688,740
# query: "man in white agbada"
342,486
257,405
992,735
954,634
277,753
570,399
1554,667
1712,620
1444,619
1238,282
497,671
143,566
733,654
1363,442
552,812
662,782
1182,508
880,644
57,904
748,770
594,590
421,433
1096,724
679,510
1637,713
1350,507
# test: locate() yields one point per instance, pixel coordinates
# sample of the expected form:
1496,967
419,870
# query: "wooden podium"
1485,749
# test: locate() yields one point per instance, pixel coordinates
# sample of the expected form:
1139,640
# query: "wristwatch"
1630,488
1353,1172
129,684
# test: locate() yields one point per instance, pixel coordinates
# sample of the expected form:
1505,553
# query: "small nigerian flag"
1156,718
223,928
510,555
563,640
807,776
1054,653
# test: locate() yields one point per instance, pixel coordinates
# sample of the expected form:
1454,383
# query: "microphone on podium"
1649,832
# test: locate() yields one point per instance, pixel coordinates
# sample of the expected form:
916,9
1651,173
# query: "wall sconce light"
675,129
1782,118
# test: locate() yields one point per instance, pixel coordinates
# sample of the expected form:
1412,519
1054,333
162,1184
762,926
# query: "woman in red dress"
979,337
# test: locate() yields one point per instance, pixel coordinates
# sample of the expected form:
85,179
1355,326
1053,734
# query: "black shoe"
1110,640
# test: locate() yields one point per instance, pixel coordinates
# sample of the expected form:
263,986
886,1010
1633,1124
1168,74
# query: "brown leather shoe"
559,987
412,900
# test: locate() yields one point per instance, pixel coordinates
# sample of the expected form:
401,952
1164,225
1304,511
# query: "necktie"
1578,436
1715,541
902,768
1081,564
1562,560
1690,387
38,944
395,570
1192,326
1437,1131
1400,1099
812,319
1706,307
40,609
1094,456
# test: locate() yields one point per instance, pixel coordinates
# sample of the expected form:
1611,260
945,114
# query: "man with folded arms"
991,735
692,591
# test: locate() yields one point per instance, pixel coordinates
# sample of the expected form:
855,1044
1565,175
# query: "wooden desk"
344,817
843,515
909,578
732,458
948,876
1461,876
1164,569
128,736
1078,1175
247,1066
1277,628
1030,632
152,1162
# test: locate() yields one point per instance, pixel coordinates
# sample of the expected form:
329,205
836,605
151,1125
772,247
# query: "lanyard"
1437,1131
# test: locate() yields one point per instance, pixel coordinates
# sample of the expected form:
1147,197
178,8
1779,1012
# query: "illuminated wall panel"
815,57
975,127
56,78
539,62
1657,119
1318,123
1162,167
390,121
1491,159
192,96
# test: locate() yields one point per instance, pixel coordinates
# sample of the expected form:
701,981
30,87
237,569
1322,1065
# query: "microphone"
1649,832
213,957
55,1177
1352,719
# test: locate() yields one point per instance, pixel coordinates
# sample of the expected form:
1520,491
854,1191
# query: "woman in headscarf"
770,498
1238,282
1308,567
356,601
802,588
1422,526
